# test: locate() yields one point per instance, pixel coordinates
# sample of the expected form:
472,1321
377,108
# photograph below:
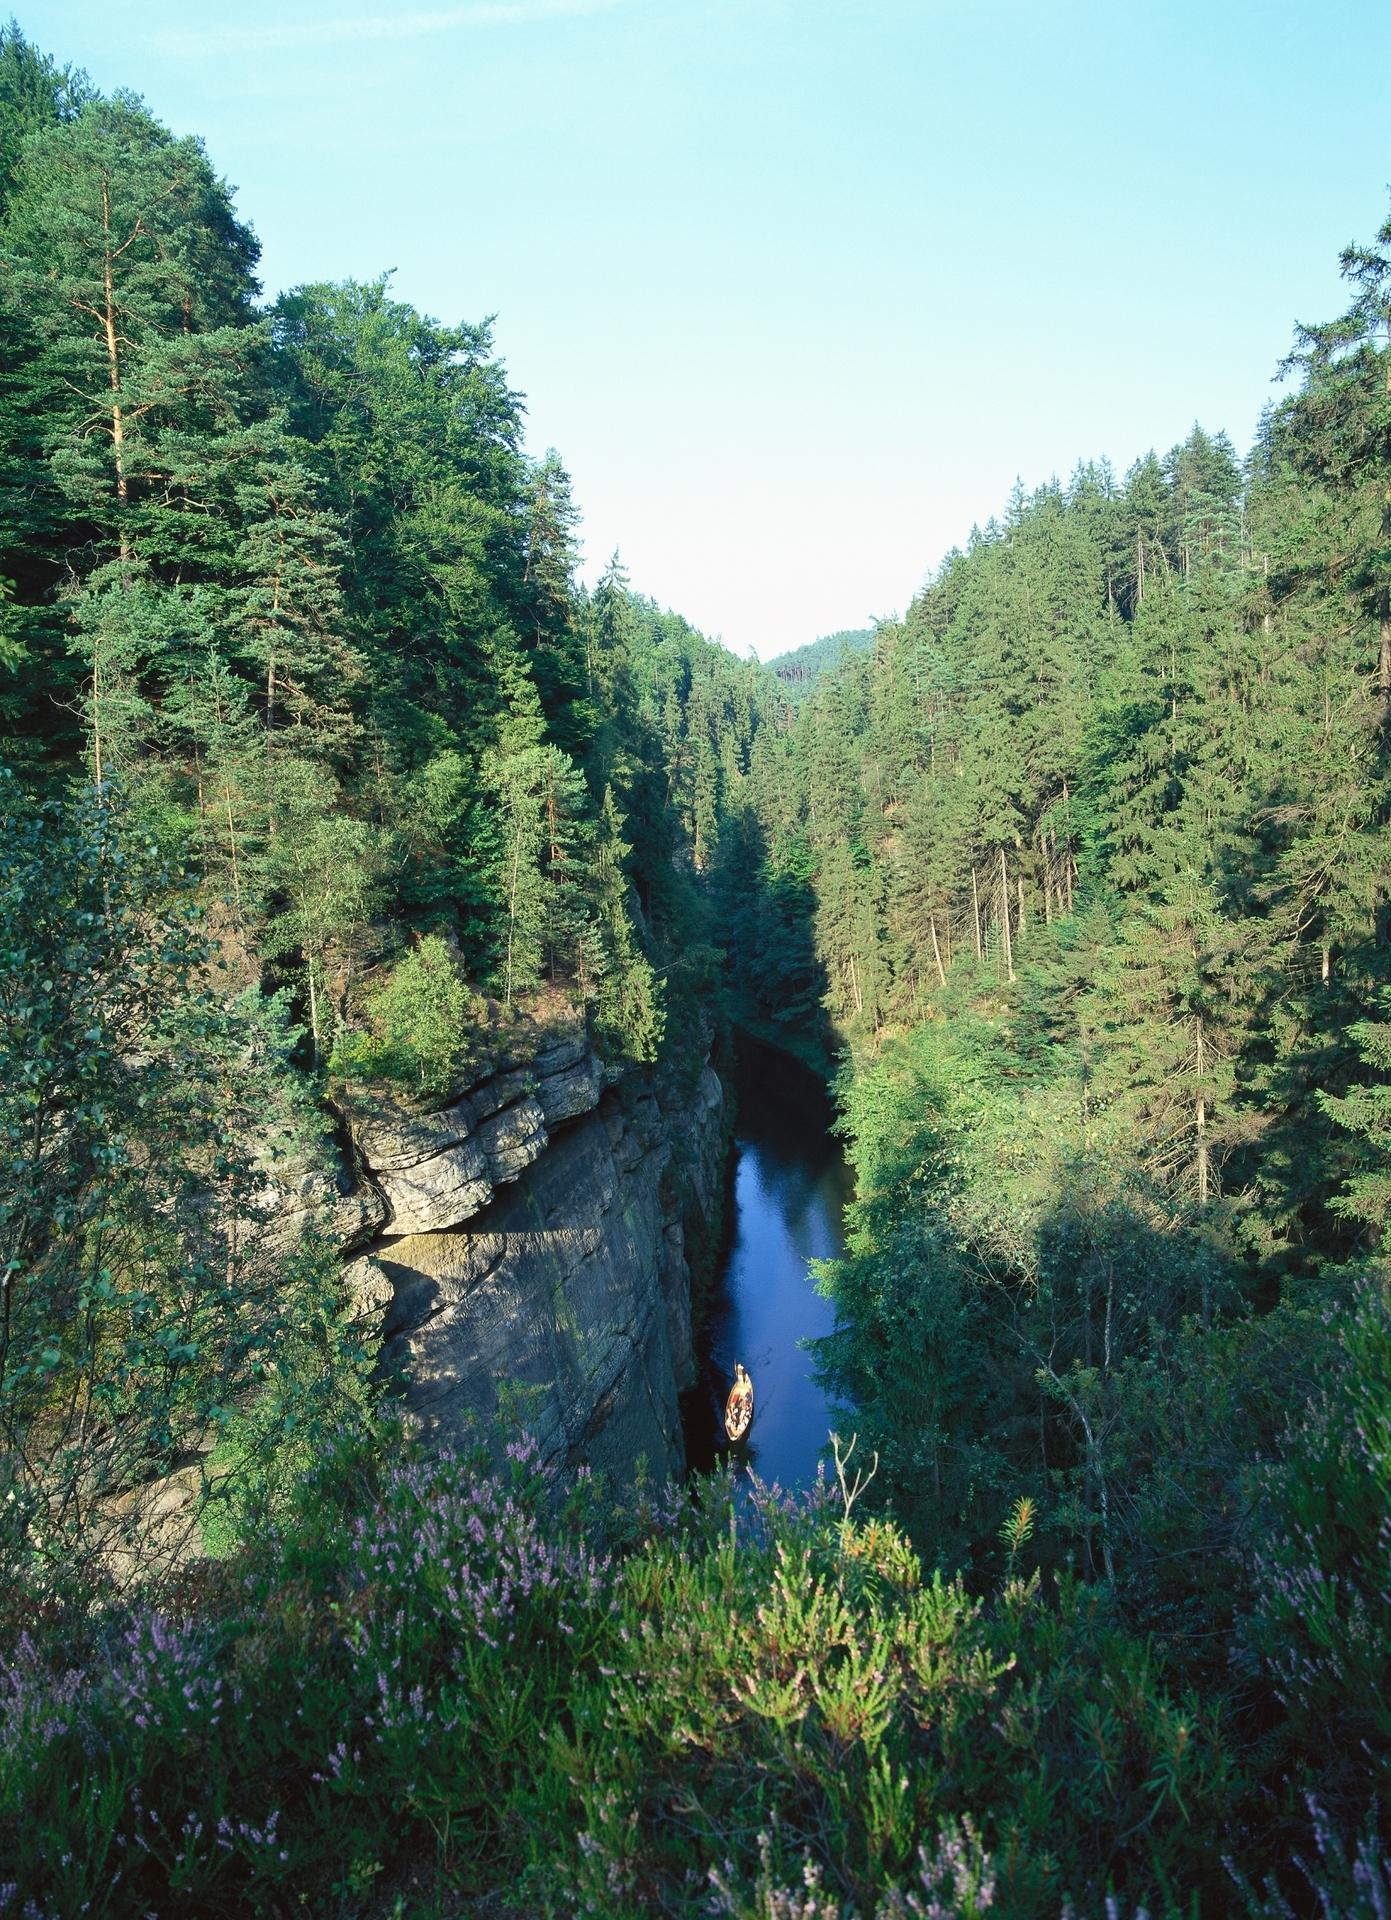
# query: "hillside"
799,669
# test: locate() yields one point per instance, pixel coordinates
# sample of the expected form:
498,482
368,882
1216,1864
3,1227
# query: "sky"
798,288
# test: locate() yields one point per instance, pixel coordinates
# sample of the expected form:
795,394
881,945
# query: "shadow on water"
790,1186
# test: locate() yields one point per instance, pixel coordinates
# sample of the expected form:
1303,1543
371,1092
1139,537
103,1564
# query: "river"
790,1186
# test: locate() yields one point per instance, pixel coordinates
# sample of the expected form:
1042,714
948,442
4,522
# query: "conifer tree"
550,622
1342,421
629,1014
1365,1111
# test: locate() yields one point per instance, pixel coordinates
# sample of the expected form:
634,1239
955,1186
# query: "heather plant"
333,1696
1334,1879
1320,1619
956,1881
777,1683
751,1701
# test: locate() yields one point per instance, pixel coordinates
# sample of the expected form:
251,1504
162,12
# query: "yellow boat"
738,1408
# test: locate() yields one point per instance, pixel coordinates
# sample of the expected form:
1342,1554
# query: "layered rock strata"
534,1255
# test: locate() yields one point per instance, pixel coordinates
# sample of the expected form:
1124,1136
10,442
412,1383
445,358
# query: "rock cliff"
532,1241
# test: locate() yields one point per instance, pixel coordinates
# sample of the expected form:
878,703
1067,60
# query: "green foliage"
1083,866
142,1310
800,667
320,873
1365,1111
433,1666
420,1024
1320,1613
292,580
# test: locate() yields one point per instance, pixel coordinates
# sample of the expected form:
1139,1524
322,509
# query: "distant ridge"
800,668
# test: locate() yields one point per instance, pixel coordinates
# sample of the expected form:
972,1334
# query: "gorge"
788,1188
392,929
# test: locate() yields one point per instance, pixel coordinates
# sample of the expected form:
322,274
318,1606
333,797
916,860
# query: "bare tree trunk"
1204,1157
936,950
1004,917
96,717
512,909
232,841
313,1011
270,738
975,909
113,365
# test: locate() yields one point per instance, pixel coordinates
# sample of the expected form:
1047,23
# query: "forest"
320,770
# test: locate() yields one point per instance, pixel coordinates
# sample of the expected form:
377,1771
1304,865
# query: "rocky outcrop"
527,1249
435,1170
534,1249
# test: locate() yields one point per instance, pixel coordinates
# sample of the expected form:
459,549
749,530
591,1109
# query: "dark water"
790,1187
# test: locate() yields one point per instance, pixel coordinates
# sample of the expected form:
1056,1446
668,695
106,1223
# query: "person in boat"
738,1412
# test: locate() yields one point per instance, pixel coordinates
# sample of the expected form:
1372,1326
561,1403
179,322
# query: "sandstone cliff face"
535,1241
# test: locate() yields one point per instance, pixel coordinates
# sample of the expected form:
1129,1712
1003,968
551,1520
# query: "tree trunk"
1004,917
1204,1155
270,736
96,718
113,367
232,842
512,909
975,909
936,950
313,1011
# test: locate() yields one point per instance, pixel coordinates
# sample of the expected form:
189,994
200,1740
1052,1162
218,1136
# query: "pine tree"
1342,423
550,623
517,781
319,875
629,1013
124,247
35,94
414,435
1365,1112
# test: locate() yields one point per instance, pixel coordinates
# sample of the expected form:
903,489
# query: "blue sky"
797,290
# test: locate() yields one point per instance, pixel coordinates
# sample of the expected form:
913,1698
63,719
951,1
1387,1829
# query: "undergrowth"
437,1683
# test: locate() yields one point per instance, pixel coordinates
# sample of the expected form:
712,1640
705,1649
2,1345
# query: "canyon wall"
530,1251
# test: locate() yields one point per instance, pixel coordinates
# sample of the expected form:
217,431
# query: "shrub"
143,1310
420,1025
440,1663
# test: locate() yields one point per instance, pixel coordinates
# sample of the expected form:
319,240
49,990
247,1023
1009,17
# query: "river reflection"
791,1184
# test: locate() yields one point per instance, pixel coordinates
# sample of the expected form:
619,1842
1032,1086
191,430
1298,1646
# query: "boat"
738,1408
